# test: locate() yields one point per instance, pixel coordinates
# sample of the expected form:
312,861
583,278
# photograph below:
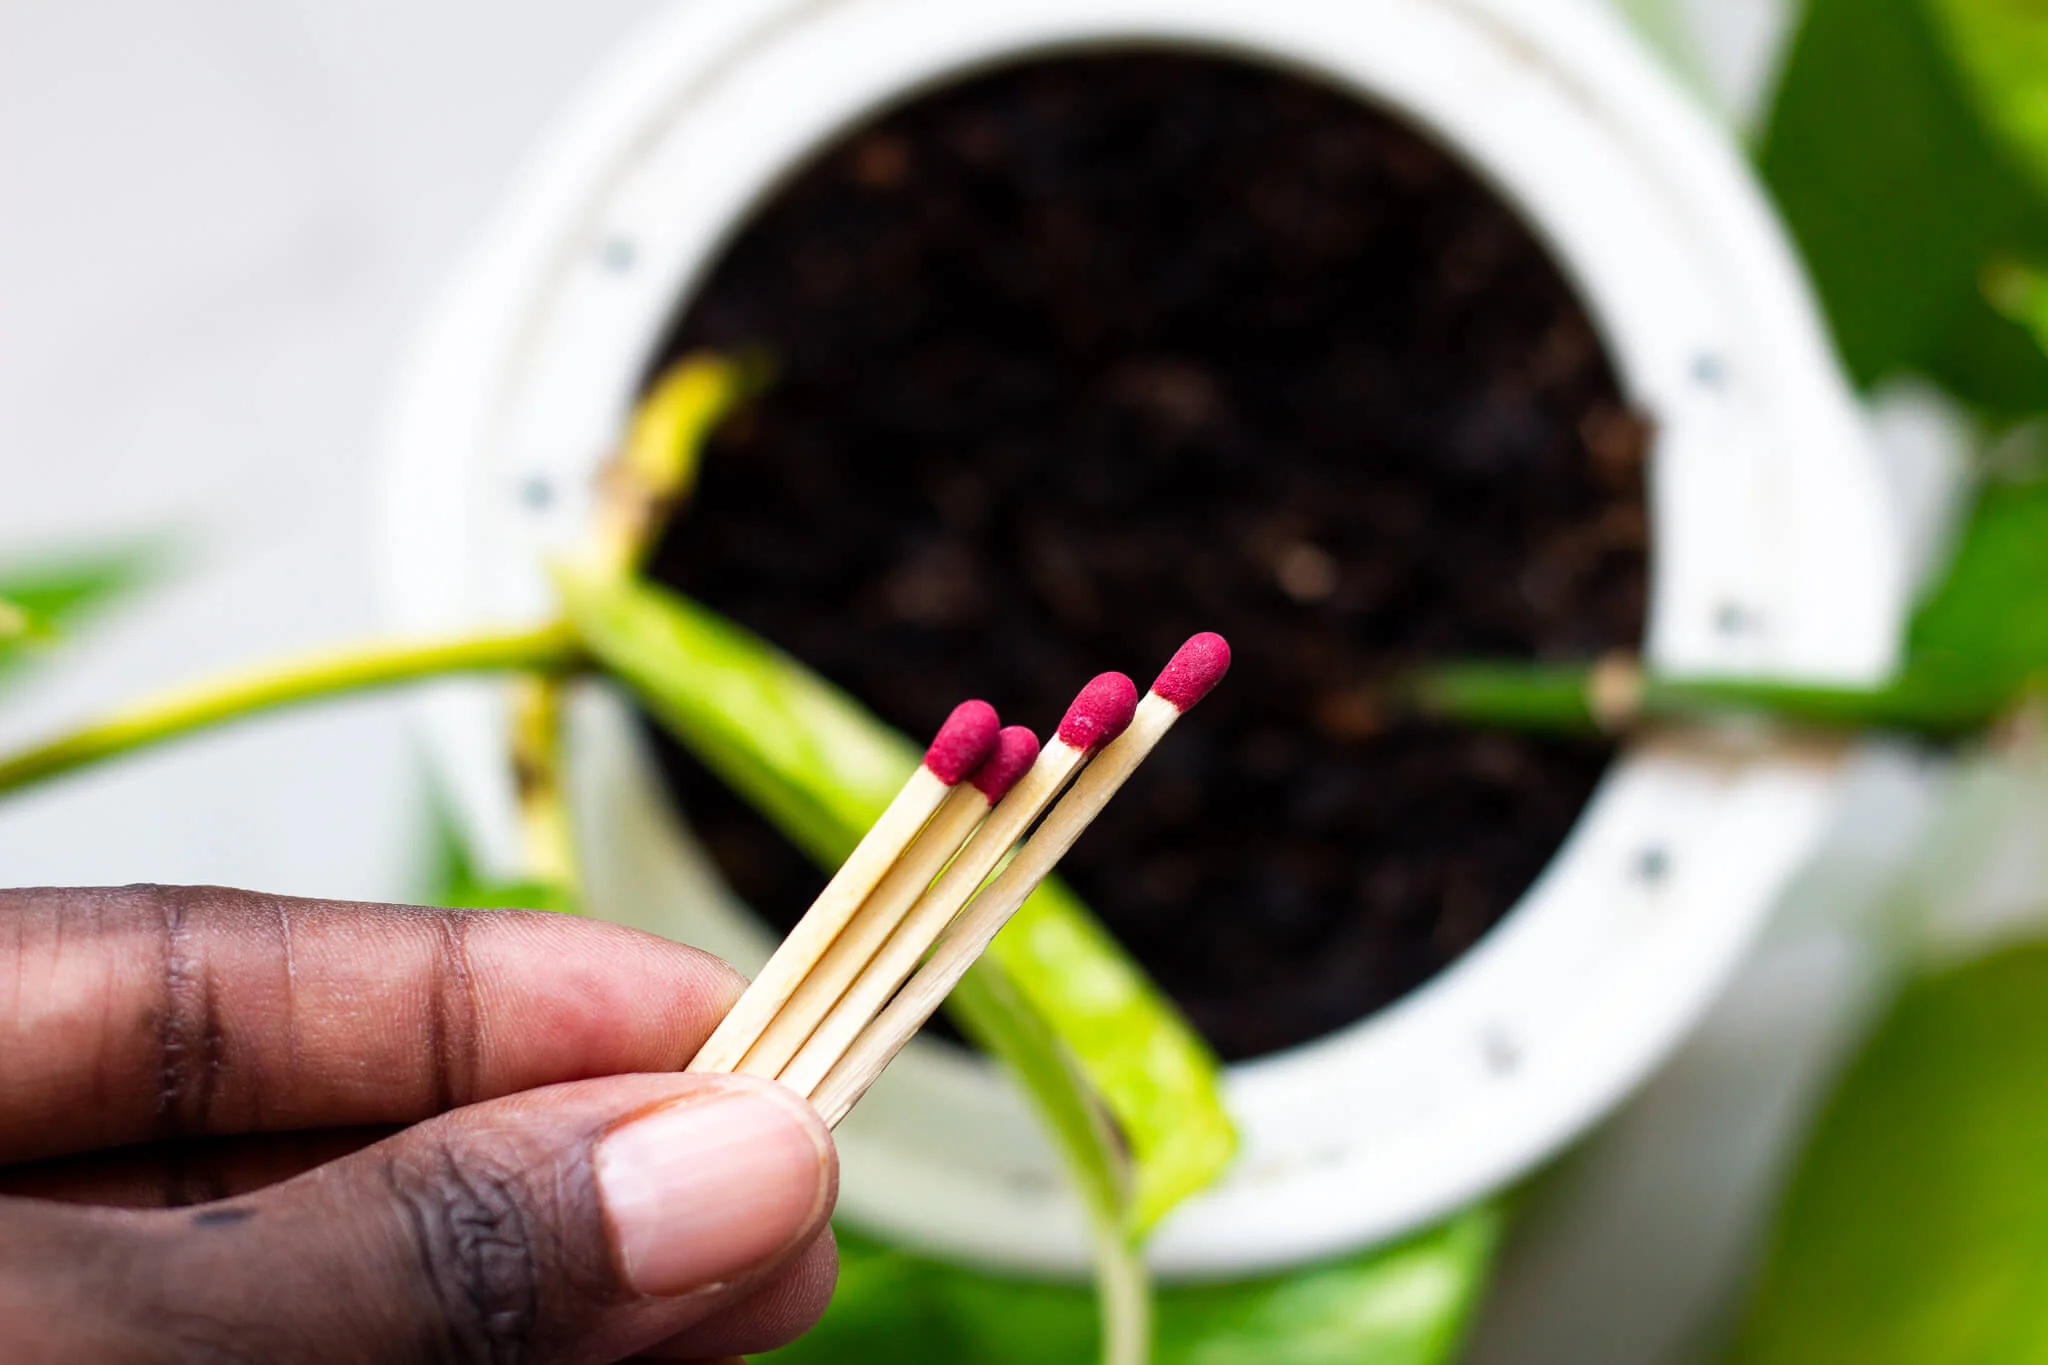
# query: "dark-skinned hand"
237,1127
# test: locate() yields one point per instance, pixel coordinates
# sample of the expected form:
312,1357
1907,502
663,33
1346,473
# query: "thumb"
582,1222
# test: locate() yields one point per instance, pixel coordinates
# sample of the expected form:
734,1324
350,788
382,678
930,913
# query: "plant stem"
547,834
1123,1286
550,649
989,1009
1925,701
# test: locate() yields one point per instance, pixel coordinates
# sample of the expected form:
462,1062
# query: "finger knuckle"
477,1249
455,1020
191,1040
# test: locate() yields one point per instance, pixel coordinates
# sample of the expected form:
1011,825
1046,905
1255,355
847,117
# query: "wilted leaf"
1916,1229
656,464
1403,1305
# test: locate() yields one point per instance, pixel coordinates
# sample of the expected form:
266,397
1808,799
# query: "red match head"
1194,668
1100,713
967,738
1016,750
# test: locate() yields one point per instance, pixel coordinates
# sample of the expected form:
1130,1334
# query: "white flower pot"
1774,552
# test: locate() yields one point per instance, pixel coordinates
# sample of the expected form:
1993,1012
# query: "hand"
201,1158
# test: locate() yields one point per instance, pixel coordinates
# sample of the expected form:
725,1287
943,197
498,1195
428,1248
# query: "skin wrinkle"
592,1275
212,1049
192,1041
494,1246
293,1046
477,1252
522,1267
147,1049
456,1020
416,1232
470,1085
212,1020
437,1025
173,1048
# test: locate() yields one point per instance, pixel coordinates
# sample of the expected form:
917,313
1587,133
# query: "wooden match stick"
1195,668
963,743
1097,716
1016,750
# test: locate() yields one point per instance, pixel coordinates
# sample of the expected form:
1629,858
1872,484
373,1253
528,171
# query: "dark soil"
1085,355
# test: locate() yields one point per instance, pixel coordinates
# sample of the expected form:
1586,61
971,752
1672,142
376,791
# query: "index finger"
141,1013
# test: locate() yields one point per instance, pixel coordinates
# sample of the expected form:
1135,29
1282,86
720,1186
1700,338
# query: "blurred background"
222,223
225,222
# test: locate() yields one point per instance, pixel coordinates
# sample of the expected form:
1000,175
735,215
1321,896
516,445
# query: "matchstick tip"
1016,750
1194,668
963,742
1100,713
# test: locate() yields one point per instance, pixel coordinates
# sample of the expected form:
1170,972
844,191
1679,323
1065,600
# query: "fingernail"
710,1186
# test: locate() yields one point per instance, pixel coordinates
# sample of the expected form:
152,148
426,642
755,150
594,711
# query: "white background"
221,221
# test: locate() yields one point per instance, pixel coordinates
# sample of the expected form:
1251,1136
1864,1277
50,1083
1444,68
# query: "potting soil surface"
1085,355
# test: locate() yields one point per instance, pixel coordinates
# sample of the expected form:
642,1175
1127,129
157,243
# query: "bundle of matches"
914,905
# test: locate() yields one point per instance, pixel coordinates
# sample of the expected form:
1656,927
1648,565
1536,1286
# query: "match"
1097,716
1015,752
1188,677
962,745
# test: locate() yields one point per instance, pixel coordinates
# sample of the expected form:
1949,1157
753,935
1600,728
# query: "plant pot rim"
1774,550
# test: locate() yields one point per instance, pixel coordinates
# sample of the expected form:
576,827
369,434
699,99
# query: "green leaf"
2001,47
822,768
1988,619
1408,1304
1160,1077
453,879
1900,199
1916,1229
41,604
805,754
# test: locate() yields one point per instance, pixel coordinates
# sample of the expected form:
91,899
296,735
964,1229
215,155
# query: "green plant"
1908,149
1976,653
1913,1229
41,603
1126,1089
1405,1305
